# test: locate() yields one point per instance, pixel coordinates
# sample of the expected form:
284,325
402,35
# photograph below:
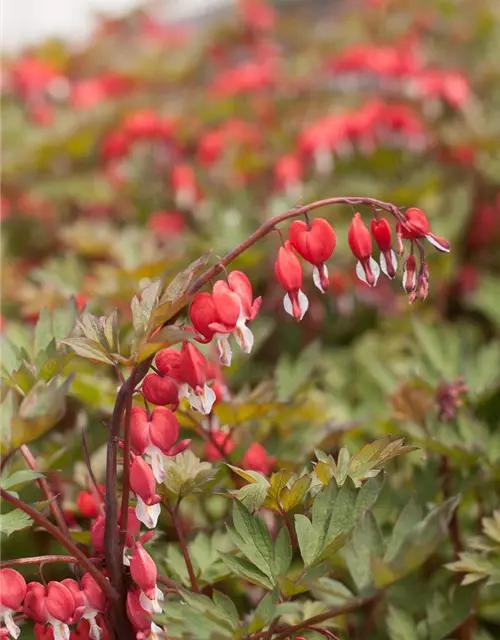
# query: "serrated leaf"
409,517
39,411
307,538
375,455
180,284
20,477
324,472
251,495
282,552
445,614
110,329
227,606
185,473
88,349
400,625
333,592
11,356
290,498
43,331
14,521
246,570
249,476
258,543
166,337
342,466
143,307
64,319
368,494
365,543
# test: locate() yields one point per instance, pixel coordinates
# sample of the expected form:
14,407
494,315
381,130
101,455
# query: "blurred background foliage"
125,159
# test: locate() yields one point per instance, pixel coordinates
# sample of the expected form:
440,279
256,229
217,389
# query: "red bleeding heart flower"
289,273
143,484
417,226
315,243
256,459
160,390
383,236
12,593
194,372
360,242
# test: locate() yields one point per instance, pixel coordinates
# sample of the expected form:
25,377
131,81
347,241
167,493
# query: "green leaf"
444,614
375,455
400,625
366,542
290,498
407,520
40,410
11,356
368,494
246,570
307,538
332,592
143,307
180,284
64,319
226,605
282,552
88,349
291,376
14,521
185,473
20,477
258,546
43,331
343,514
251,495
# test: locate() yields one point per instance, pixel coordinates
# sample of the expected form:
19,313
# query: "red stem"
65,542
126,467
42,483
185,551
45,560
268,226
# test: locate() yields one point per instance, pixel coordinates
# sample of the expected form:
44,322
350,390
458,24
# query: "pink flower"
256,459
360,242
12,593
54,605
315,243
194,372
154,437
383,237
289,273
144,574
417,226
222,443
160,390
143,484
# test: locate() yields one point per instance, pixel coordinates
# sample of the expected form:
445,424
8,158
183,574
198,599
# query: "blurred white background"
26,22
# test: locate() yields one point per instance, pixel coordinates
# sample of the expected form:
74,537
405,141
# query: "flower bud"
410,273
256,459
168,362
383,237
142,481
360,242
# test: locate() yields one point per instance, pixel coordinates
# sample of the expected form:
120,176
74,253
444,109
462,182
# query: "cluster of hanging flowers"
315,243
53,608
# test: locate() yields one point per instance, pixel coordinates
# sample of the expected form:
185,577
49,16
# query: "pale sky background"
26,22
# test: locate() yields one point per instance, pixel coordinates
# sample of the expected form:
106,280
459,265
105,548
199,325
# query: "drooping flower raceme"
53,605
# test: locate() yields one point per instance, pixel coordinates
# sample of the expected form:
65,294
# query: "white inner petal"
375,270
148,515
204,402
156,457
225,353
287,304
360,272
317,277
303,303
243,337
436,244
14,630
